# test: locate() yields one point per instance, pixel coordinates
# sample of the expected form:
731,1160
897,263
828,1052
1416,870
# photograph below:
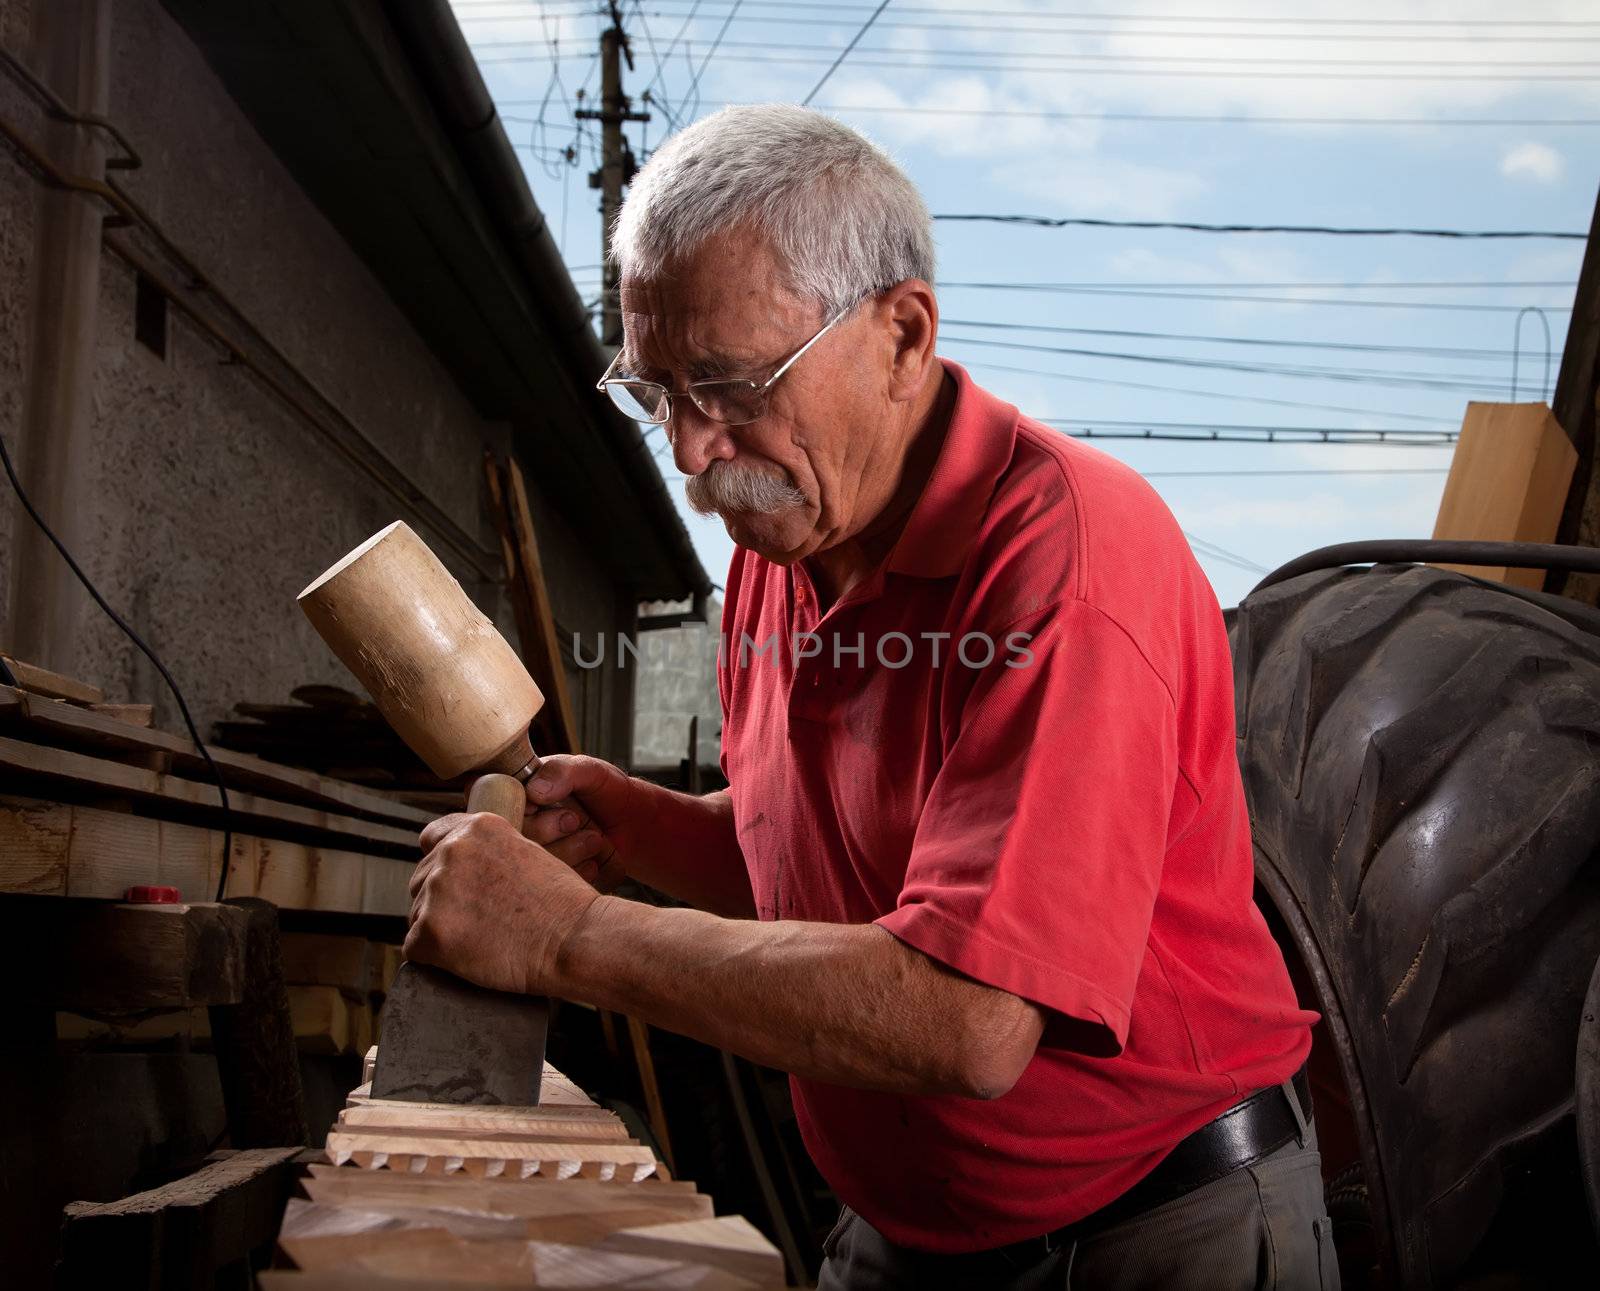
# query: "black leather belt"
1241,1136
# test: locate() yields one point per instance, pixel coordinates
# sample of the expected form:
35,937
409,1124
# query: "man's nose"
697,440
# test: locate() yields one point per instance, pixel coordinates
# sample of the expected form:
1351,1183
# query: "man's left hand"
491,906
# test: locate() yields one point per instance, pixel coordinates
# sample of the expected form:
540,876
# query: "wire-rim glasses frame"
732,401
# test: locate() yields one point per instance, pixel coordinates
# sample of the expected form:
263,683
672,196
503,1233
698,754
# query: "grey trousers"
1262,1227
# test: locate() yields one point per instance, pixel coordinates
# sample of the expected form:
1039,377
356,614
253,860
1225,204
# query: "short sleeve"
1038,855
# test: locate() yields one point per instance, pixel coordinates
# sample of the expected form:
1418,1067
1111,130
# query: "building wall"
210,503
677,681
17,199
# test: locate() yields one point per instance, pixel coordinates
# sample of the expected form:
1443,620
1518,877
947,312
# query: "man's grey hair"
842,217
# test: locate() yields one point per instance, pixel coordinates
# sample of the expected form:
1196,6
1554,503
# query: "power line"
845,52
1264,435
1124,33
1431,351
1309,470
1459,382
1204,548
710,54
1176,119
1204,394
1232,73
1235,119
1061,222
1448,305
1141,60
1101,16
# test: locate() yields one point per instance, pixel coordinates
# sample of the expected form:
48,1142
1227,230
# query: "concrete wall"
17,200
677,681
209,503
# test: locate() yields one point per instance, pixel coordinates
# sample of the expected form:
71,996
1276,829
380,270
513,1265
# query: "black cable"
194,734
1453,306
1390,551
1101,16
1204,394
1165,118
844,53
1061,222
694,86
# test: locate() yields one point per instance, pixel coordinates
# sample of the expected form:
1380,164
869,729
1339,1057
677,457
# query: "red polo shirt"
1013,748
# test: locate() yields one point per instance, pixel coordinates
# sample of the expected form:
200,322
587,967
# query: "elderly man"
981,881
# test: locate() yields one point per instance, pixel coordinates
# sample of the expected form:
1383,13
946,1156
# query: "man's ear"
913,316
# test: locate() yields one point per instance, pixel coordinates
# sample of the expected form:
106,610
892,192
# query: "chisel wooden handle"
502,795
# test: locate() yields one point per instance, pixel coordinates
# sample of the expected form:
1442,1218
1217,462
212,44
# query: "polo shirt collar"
945,522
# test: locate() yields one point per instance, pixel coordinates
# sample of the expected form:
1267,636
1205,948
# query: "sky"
1408,114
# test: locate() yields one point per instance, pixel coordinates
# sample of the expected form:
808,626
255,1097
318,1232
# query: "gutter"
444,63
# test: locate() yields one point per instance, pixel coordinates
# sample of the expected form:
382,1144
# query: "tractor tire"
1587,1097
1421,755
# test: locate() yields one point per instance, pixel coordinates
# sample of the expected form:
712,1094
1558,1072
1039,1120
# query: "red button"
144,894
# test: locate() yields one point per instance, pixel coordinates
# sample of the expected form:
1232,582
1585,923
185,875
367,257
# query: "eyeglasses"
735,401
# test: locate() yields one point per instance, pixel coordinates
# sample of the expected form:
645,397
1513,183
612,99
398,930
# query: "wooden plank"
34,841
112,851
386,889
544,652
182,1232
325,1020
523,1120
66,726
505,1156
1508,480
323,959
107,852
535,1197
144,785
77,955
53,685
132,714
730,1243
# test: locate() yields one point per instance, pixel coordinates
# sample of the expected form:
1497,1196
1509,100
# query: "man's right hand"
588,813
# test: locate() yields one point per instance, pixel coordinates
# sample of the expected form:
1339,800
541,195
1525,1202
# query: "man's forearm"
847,1004
690,851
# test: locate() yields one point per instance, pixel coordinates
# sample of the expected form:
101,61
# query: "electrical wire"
1373,376
1232,73
694,86
1061,222
1203,394
1309,470
1272,342
1101,16
1204,548
1446,305
1170,118
844,53
177,694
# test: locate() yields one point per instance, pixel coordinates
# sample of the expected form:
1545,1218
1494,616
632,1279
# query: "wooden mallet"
457,693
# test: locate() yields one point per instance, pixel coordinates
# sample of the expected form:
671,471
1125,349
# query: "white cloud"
1536,161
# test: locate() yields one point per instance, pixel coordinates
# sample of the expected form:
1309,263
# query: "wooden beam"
1577,406
545,650
181,1234
65,849
121,780
53,685
83,955
64,726
353,964
1508,479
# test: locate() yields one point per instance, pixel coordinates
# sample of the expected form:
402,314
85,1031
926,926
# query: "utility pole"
617,164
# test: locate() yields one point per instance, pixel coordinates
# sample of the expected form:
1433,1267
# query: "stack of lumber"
94,805
332,731
558,1195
